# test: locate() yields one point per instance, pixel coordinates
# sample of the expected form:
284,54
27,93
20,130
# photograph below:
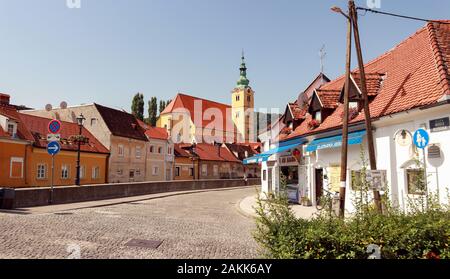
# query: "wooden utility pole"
373,162
344,150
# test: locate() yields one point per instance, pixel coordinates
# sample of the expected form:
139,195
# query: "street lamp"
80,122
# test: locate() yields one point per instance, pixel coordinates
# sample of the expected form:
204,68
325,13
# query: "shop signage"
442,124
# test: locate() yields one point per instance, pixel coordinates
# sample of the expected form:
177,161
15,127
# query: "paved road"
201,225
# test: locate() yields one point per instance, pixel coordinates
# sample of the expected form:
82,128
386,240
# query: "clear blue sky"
108,50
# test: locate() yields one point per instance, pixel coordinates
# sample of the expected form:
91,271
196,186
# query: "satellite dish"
403,138
63,105
48,107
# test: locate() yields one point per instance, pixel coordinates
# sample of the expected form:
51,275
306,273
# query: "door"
319,184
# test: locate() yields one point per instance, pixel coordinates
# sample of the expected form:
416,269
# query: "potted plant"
313,124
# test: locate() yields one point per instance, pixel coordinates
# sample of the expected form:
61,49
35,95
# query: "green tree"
153,111
162,106
137,106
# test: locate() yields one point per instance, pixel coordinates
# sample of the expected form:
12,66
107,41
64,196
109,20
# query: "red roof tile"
154,132
416,75
297,112
328,98
373,82
38,127
206,152
11,112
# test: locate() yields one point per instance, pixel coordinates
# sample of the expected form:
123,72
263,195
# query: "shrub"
422,233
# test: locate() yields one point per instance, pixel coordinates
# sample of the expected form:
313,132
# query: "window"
177,171
169,150
204,170
138,152
238,98
138,172
155,170
191,172
152,148
264,175
93,121
237,114
216,170
353,105
131,174
16,168
249,98
11,129
95,173
82,172
65,172
41,171
415,179
160,150
121,150
318,116
120,172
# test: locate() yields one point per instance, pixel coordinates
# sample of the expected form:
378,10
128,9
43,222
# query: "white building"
408,88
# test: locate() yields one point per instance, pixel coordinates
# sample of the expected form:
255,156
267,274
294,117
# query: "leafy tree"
137,106
162,106
153,111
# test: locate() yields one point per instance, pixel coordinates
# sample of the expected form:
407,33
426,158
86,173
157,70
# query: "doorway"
319,184
269,176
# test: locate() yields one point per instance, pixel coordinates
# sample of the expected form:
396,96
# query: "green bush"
422,233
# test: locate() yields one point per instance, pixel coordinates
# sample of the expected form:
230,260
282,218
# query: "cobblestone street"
199,225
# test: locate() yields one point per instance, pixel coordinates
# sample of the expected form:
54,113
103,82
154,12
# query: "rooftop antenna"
322,55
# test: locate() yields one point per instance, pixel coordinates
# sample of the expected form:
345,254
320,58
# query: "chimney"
4,99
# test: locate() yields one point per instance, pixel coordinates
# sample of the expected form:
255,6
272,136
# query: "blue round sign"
53,148
421,139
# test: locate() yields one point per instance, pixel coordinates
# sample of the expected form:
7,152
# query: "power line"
401,16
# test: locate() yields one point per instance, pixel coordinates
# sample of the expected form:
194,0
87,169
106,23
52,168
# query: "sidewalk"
248,204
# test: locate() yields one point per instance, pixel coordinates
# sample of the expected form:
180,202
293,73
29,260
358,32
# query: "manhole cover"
143,243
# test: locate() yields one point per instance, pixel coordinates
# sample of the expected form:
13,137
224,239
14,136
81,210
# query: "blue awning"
336,141
283,147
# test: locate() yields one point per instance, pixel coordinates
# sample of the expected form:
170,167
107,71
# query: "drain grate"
143,243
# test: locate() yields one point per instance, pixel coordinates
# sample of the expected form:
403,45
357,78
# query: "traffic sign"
54,126
53,137
421,138
53,148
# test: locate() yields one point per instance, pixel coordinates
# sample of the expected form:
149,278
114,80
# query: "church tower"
243,112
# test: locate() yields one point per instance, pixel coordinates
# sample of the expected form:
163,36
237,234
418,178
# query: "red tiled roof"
154,132
11,112
121,123
187,103
180,151
328,98
206,152
416,75
38,127
373,82
297,111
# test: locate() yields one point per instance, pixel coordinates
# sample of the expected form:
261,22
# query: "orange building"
24,161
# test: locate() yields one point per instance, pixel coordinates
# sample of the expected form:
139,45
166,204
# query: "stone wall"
40,196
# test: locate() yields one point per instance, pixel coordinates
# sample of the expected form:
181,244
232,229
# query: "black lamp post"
80,122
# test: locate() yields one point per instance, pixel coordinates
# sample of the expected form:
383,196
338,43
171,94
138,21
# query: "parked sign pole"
51,183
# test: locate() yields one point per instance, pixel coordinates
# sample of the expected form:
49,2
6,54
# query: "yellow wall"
185,164
31,157
16,150
88,161
243,106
